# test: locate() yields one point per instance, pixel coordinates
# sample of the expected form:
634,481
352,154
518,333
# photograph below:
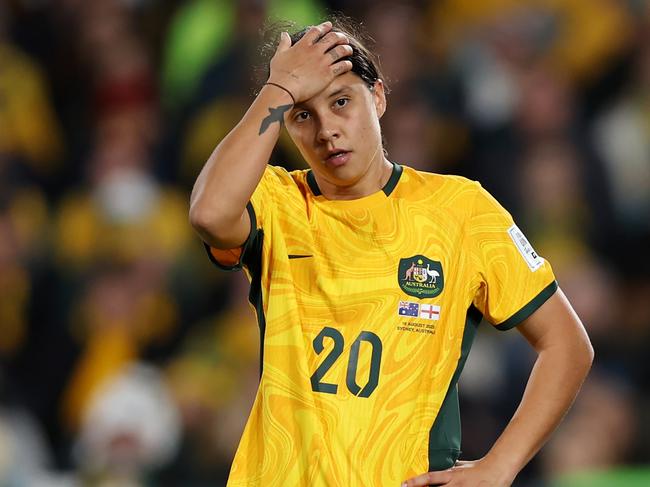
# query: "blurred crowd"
127,359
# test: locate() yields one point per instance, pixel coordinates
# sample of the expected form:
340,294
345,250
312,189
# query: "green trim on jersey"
387,189
529,308
245,247
252,259
445,434
313,185
393,180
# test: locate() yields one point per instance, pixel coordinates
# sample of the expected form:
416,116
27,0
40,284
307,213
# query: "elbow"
583,357
205,220
589,353
215,226
199,218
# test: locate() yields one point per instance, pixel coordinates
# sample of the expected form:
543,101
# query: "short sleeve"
514,279
260,209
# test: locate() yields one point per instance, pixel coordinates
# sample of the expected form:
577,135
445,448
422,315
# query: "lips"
338,157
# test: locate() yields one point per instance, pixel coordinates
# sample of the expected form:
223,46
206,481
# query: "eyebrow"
331,95
337,92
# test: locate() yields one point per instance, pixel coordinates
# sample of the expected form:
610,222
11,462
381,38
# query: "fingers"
341,67
429,478
339,52
332,39
285,42
335,44
316,32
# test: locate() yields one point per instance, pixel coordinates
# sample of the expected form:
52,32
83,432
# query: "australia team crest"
420,277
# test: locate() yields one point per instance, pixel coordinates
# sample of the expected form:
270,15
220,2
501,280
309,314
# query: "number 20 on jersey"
333,334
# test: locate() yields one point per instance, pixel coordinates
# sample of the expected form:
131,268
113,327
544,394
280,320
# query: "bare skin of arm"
564,358
233,170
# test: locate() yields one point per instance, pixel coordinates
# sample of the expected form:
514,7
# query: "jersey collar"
387,189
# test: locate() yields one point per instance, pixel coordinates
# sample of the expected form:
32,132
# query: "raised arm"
564,358
233,170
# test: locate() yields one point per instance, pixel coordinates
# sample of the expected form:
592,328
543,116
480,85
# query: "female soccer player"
369,279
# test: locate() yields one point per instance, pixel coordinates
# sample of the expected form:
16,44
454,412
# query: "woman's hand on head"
307,67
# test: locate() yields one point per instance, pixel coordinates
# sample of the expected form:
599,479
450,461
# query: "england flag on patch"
430,312
408,308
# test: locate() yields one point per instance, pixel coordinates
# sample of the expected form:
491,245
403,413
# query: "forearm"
235,167
552,387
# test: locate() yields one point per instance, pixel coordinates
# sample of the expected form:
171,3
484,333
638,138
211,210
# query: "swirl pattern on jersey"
351,385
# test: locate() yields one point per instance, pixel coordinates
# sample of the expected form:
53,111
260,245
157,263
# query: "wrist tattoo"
275,115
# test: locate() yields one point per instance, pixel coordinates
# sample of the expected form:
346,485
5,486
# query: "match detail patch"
526,250
415,310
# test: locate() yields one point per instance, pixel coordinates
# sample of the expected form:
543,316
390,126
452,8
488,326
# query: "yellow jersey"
367,310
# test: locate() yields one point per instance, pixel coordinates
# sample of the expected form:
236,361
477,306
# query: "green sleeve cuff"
245,247
529,308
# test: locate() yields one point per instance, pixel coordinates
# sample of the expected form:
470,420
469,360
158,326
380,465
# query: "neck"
373,180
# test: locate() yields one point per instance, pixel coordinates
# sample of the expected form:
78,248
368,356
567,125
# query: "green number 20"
318,385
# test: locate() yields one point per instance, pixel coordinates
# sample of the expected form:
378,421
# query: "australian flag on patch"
407,308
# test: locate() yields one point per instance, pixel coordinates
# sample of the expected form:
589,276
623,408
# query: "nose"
327,130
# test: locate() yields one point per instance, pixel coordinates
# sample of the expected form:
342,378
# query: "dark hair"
365,63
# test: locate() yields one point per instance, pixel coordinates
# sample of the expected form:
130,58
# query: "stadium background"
127,359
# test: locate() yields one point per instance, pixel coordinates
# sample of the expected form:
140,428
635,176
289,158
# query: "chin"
346,175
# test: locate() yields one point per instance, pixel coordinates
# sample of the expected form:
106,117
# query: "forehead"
345,82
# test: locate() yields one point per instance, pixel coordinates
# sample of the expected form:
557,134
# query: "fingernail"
403,484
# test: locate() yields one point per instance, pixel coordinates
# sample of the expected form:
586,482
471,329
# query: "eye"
301,116
341,102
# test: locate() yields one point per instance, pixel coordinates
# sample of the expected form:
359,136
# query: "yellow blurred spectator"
215,379
578,36
124,310
28,125
23,226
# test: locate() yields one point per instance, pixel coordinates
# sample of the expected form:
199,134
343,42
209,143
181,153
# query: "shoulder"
280,175
279,186
431,179
446,188
280,181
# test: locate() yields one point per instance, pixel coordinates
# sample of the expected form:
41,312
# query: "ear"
379,97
